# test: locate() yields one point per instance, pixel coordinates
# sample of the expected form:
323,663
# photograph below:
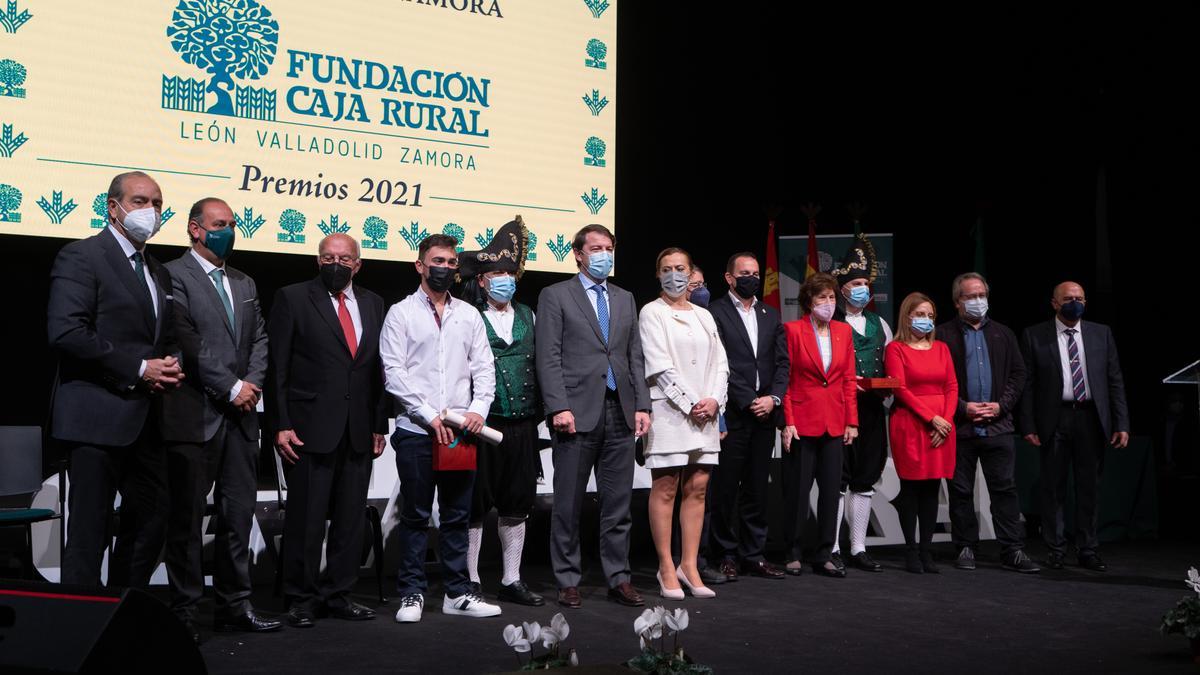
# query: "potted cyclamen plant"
653,624
523,639
1184,618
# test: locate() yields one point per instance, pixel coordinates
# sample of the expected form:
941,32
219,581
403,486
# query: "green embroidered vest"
517,395
868,349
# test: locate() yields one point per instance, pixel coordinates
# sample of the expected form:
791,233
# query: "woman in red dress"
920,427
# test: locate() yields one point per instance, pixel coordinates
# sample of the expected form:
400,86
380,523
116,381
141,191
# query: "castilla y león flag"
771,278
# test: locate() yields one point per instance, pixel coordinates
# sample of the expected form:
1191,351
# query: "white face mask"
674,283
976,308
140,224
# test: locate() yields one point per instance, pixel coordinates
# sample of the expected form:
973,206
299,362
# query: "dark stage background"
1072,133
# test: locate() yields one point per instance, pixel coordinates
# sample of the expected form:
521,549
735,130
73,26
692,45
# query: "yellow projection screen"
385,120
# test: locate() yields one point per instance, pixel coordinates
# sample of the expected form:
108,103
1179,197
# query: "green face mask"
220,242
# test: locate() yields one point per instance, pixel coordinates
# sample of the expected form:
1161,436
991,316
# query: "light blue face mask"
600,264
976,308
502,289
922,325
860,296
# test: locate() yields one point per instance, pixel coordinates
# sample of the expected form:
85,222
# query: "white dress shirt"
208,270
750,321
1068,392
502,320
352,307
859,323
128,249
428,368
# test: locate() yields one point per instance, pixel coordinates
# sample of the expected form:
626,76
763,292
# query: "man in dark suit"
210,424
991,377
109,321
590,368
758,376
1074,403
326,407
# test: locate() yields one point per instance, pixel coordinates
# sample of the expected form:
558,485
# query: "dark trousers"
414,464
812,458
863,460
329,486
1077,444
506,474
737,494
918,501
608,449
229,460
998,456
97,474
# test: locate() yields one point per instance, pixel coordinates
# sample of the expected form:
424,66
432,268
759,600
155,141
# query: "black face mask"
335,277
746,286
440,279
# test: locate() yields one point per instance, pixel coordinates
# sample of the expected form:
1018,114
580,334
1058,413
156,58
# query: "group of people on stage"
162,368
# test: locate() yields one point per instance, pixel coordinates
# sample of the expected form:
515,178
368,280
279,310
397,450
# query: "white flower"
1193,580
515,639
533,631
573,658
558,623
677,621
648,625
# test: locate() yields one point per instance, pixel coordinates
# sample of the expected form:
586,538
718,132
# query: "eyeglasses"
346,260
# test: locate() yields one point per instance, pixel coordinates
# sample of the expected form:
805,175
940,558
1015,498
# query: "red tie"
347,324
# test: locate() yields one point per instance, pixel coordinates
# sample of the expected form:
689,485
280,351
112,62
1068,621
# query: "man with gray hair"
991,376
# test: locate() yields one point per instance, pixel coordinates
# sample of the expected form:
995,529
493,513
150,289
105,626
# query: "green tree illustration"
10,201
292,223
454,230
12,76
376,228
227,39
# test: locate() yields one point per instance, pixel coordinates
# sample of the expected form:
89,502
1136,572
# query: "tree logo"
595,148
10,201
530,253
12,76
597,50
291,222
226,39
100,208
11,19
456,231
376,228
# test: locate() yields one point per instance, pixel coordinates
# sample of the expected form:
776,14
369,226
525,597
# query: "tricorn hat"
859,263
506,252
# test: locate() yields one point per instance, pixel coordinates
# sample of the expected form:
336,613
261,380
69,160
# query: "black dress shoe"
832,570
912,562
301,617
352,611
712,577
729,569
762,569
866,563
928,564
1054,561
836,559
519,593
245,623
1092,561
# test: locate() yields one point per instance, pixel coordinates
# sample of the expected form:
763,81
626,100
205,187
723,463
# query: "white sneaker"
410,608
469,604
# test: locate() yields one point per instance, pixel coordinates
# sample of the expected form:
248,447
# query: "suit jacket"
573,360
1008,373
215,354
1042,401
819,401
101,324
314,386
770,365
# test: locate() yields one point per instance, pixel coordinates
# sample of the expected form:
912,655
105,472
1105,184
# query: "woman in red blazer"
820,410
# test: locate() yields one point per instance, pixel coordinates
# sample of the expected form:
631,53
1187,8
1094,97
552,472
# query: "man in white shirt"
436,357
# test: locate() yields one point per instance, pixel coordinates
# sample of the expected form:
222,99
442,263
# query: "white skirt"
677,459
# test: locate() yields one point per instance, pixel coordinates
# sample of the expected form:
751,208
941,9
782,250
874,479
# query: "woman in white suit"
688,374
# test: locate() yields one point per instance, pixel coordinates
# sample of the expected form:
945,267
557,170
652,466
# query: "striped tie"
1077,383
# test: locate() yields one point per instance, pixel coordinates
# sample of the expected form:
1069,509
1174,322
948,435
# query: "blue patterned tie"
602,316
1077,385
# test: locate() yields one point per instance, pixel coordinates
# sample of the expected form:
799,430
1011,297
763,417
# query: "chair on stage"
273,531
20,480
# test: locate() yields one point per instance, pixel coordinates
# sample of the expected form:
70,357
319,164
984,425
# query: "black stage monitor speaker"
48,628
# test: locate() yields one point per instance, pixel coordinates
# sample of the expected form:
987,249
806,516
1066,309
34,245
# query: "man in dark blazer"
326,406
991,377
109,322
752,333
589,365
210,423
1074,403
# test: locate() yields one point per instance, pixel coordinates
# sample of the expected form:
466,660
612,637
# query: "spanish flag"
771,279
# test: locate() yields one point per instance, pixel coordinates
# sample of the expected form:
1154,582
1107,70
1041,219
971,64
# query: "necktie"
602,316
218,277
347,324
139,268
1077,383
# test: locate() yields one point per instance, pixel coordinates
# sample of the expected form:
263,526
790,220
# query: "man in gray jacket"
589,366
210,424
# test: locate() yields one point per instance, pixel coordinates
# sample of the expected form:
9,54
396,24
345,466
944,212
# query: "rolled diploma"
486,433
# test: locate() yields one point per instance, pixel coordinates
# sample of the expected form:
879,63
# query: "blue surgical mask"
975,308
1071,311
220,242
502,289
600,264
860,296
921,325
700,296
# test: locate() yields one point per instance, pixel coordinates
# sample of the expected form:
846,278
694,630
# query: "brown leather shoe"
569,597
627,595
762,569
729,569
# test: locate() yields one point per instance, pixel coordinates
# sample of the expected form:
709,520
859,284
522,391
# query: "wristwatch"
776,399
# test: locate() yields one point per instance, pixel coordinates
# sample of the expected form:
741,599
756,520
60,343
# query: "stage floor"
989,620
